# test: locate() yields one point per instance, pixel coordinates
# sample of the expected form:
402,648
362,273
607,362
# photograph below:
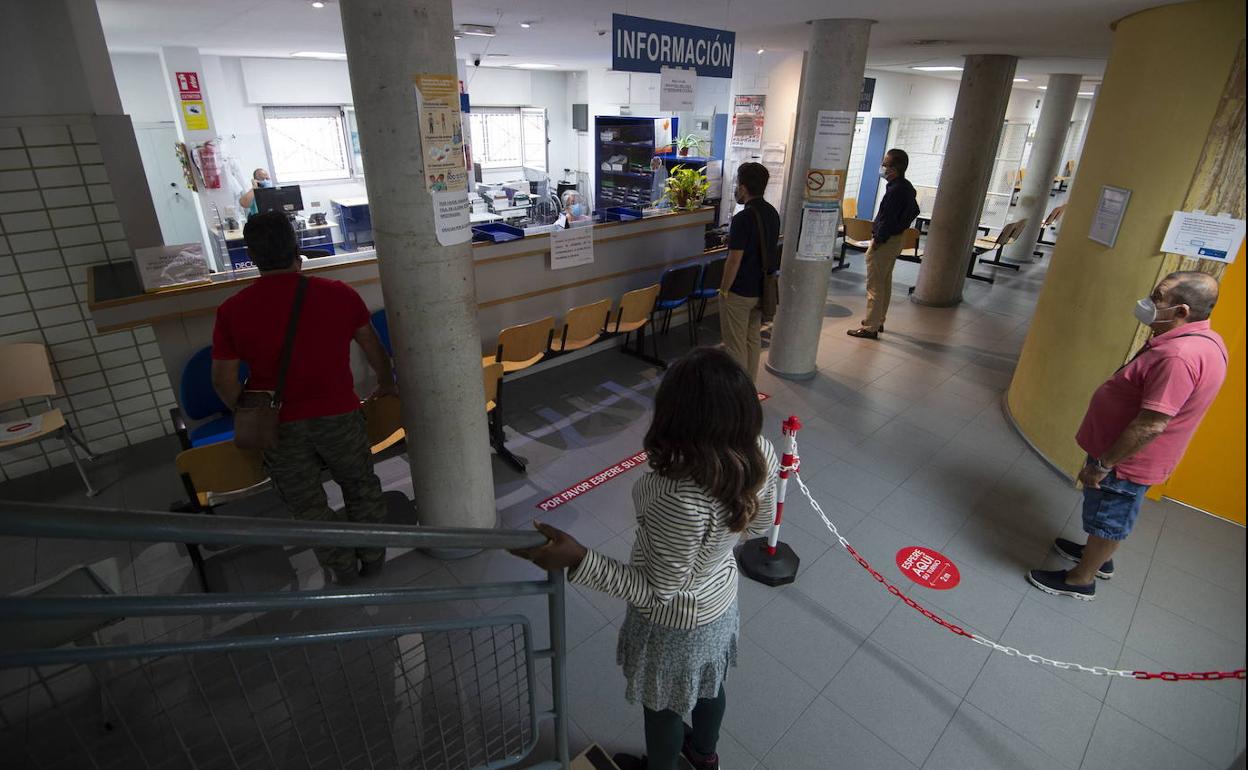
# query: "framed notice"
1110,210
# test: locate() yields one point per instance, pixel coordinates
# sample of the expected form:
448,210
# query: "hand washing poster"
442,138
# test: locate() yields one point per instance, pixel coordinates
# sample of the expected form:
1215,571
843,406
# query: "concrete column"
429,289
1046,156
969,154
831,80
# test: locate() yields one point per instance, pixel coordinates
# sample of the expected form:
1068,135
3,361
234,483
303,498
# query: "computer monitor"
288,199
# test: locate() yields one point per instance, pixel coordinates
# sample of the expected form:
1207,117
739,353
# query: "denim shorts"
1110,512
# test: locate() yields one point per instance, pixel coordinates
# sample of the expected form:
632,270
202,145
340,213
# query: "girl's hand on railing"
560,550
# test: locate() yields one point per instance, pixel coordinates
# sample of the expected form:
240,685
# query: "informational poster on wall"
820,221
1110,210
441,136
747,120
829,157
676,88
191,98
572,247
1197,234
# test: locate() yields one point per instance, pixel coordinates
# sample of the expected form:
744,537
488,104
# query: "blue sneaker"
1054,582
1072,551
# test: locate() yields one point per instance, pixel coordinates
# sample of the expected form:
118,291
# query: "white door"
175,204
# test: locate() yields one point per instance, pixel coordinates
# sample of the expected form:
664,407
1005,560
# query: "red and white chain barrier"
790,465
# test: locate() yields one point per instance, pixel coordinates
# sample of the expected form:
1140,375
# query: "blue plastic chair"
383,329
199,401
708,284
676,288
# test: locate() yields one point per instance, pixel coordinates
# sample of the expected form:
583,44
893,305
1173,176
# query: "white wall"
143,94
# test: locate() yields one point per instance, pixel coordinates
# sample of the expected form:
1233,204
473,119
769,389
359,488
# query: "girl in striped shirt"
714,479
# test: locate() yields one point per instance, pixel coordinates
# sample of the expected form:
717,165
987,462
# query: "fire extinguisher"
209,165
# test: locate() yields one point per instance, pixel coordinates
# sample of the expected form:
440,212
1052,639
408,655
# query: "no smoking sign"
928,568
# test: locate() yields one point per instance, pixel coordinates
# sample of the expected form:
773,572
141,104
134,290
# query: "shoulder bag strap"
288,344
762,242
1147,347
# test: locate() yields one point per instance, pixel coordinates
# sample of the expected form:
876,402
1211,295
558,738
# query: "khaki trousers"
740,326
880,262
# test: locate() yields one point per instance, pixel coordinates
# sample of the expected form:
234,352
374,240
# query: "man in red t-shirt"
322,425
1139,424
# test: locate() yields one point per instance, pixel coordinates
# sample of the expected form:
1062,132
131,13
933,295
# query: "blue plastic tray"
621,214
496,232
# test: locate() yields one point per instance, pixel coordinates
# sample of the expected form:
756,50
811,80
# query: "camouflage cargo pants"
339,443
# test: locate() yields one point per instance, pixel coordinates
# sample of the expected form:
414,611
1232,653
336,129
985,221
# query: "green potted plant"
688,143
685,188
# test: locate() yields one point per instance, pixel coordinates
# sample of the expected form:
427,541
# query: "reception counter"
514,284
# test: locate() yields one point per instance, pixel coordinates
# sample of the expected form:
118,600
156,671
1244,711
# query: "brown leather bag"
256,414
769,300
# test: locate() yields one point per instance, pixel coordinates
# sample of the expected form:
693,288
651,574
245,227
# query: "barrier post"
766,559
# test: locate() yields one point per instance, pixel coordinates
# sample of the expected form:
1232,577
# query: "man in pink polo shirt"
1139,424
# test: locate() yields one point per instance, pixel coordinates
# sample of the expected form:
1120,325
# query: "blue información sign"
647,45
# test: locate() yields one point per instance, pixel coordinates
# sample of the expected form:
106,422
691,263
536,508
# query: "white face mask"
883,172
1146,311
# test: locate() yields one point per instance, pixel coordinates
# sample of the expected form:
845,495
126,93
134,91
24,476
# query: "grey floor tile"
825,737
1182,645
853,485
1042,708
1196,600
1005,559
904,707
1121,743
843,588
1203,526
984,603
951,660
1200,717
596,687
765,697
799,514
1222,565
920,517
975,741
804,636
1039,629
581,619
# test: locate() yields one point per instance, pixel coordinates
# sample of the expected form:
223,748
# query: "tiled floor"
904,444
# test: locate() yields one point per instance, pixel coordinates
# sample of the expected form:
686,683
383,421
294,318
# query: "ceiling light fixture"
1043,88
526,25
937,68
318,55
1021,80
457,36
762,51
317,4
534,66
1087,93
477,30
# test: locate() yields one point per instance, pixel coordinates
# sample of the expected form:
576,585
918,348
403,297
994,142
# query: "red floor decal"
763,396
927,567
599,478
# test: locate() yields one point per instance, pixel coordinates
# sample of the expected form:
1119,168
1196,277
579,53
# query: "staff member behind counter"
259,178
574,209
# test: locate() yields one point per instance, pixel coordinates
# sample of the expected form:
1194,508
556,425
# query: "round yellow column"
1153,125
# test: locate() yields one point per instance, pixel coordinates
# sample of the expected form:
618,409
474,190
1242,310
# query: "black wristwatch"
1100,466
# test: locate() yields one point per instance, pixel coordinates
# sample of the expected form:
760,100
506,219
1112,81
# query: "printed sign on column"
441,135
820,221
829,157
195,115
928,568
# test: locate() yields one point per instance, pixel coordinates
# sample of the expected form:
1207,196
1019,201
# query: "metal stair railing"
435,695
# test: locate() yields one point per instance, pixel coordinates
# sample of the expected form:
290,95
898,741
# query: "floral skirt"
671,668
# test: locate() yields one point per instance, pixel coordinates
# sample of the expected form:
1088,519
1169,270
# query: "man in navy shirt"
749,254
897,211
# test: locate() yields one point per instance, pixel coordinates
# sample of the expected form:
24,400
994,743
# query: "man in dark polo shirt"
897,211
322,425
740,291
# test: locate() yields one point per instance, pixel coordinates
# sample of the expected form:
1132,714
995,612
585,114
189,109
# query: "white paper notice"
161,266
829,157
450,217
27,426
1200,235
1110,210
676,88
569,248
818,238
